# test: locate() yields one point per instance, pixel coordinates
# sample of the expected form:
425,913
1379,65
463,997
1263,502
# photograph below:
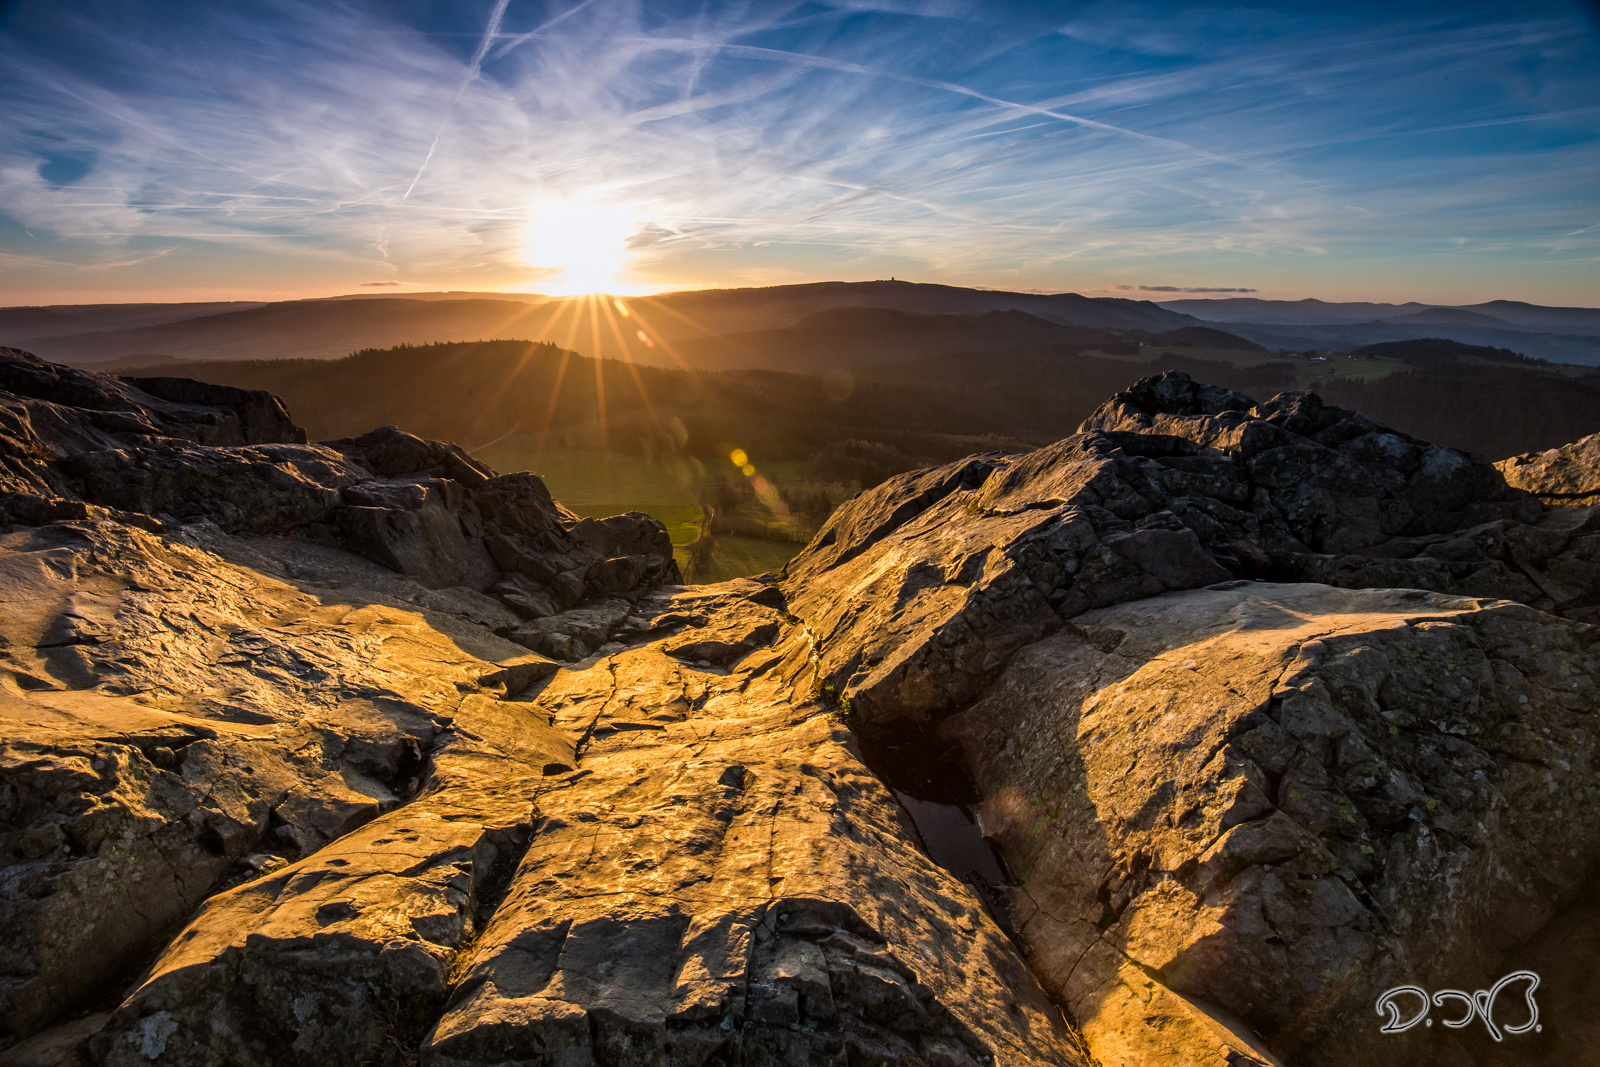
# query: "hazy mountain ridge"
809,328
331,328
1558,334
33,322
923,409
1579,349
1312,312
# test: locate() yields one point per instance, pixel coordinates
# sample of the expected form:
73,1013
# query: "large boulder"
174,723
1238,816
263,419
257,489
72,410
724,882
345,827
920,589
169,451
390,452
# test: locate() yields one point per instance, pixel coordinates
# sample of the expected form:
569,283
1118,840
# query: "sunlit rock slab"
1241,814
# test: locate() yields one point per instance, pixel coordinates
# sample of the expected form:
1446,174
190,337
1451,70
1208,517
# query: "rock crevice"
384,757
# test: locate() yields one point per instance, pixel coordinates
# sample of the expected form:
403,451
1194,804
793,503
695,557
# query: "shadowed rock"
283,783
920,589
1282,800
154,451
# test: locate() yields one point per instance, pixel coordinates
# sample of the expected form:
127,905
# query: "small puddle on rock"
927,778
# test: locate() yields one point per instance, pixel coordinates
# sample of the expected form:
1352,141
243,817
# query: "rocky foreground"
359,752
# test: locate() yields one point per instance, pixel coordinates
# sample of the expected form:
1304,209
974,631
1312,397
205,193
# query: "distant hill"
1206,337
31,323
734,310
906,412
1561,335
316,329
1443,353
856,337
1534,316
1289,312
1452,317
1556,348
810,328
1488,400
1513,314
640,329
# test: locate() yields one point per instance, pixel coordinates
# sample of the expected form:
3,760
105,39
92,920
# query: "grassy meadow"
596,483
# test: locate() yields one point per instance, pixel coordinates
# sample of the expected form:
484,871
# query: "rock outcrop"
169,451
1569,475
919,590
1283,800
360,752
666,857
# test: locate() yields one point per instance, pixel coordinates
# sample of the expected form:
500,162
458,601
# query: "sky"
219,149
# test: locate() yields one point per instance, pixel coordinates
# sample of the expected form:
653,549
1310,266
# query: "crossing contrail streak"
473,68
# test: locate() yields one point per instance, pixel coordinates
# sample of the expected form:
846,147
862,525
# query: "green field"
596,484
738,557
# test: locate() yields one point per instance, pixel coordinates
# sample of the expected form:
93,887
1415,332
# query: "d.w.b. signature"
1479,1005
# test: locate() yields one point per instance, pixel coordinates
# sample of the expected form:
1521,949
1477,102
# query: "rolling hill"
910,411
643,329
1558,334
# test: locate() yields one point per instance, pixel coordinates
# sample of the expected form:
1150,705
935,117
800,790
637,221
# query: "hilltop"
639,329
1145,746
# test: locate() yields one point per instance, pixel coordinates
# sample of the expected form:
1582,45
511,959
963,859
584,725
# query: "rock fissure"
1230,810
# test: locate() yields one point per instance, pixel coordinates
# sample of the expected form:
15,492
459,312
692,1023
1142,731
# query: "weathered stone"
577,633
431,541
254,489
384,832
262,417
1569,475
59,410
248,719
391,452
919,590
723,882
80,445
1271,803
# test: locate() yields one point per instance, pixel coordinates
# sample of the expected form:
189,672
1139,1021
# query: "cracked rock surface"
920,589
1284,800
361,753
158,452
649,859
272,796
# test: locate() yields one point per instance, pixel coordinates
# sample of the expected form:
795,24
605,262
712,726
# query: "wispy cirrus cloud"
297,143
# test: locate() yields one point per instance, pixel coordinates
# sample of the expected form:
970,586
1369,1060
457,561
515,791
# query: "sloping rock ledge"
362,753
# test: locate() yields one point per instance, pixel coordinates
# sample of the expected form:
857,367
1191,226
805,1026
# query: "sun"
587,242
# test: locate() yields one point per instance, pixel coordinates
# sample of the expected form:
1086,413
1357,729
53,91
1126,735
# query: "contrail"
473,68
805,59
522,37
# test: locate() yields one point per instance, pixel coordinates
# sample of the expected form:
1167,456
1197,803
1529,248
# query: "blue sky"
220,149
